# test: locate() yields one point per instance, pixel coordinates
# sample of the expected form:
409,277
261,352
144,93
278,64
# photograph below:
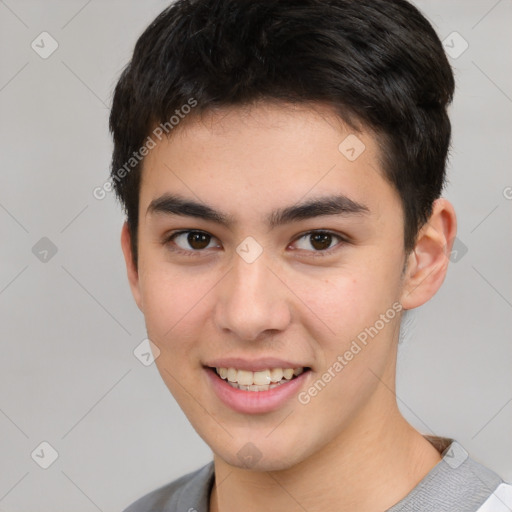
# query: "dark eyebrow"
175,205
330,205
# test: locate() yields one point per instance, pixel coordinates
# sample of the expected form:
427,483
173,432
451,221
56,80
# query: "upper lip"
253,365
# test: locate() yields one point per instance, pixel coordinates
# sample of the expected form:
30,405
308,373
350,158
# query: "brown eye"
191,240
198,240
321,241
318,241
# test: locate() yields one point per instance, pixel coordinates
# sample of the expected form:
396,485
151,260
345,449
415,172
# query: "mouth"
256,387
258,381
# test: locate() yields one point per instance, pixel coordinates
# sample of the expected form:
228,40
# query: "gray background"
68,322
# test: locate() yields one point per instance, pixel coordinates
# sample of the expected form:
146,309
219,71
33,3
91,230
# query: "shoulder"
189,492
457,483
499,501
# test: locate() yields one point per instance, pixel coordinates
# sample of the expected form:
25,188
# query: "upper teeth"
261,378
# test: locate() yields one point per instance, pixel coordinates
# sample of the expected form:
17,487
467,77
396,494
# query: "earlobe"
131,270
427,264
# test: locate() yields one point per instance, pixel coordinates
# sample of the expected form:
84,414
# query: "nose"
252,302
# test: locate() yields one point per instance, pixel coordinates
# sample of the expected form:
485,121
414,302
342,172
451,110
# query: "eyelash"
199,252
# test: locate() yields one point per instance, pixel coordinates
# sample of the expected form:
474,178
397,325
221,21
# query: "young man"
281,165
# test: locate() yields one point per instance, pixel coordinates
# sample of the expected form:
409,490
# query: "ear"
131,270
428,261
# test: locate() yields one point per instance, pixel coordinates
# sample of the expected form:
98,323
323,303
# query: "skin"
287,304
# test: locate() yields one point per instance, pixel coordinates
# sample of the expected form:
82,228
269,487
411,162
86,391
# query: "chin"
259,454
263,464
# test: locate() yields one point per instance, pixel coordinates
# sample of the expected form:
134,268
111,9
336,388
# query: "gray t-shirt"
456,484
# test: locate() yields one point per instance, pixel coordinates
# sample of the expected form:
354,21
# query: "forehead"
254,159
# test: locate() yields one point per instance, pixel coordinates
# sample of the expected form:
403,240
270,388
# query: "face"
264,246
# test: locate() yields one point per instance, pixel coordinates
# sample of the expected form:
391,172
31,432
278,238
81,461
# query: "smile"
258,381
257,386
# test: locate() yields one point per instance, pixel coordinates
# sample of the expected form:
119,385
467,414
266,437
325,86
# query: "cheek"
174,320
348,302
173,305
345,316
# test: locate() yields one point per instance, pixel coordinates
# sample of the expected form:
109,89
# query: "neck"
374,463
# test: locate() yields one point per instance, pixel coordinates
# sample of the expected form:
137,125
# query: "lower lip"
254,402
